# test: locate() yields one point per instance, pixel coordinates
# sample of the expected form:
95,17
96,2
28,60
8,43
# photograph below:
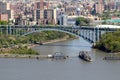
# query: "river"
72,68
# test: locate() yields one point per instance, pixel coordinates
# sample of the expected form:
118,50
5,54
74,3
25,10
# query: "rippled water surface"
72,68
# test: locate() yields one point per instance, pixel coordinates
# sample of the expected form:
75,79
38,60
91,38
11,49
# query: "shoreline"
106,51
58,40
29,56
51,41
23,56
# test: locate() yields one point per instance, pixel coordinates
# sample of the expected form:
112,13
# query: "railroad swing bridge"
91,34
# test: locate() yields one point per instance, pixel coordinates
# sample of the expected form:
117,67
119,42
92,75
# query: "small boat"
84,55
40,43
59,55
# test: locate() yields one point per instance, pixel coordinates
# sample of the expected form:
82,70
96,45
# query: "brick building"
4,17
41,5
99,8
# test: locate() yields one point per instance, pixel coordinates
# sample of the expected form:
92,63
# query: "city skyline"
49,12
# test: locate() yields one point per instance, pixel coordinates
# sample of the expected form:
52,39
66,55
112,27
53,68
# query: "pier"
111,58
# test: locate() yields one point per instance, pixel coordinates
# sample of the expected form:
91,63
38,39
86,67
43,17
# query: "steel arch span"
65,31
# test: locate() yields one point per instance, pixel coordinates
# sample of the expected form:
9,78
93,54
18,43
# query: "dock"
111,58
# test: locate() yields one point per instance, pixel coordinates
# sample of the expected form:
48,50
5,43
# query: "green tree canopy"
82,21
3,22
109,42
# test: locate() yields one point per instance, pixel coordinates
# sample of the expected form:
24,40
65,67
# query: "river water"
72,68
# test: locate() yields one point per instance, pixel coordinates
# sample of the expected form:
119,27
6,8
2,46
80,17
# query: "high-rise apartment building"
41,5
2,8
117,5
99,7
38,14
50,16
109,4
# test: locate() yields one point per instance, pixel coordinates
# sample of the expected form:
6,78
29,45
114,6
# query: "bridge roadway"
91,34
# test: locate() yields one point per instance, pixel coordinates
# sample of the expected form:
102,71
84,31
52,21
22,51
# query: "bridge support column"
18,32
9,30
78,32
89,35
86,34
92,36
100,33
15,32
81,32
96,34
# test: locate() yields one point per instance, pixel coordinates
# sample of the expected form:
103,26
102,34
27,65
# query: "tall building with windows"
50,16
63,20
117,5
109,4
38,15
2,8
99,7
41,5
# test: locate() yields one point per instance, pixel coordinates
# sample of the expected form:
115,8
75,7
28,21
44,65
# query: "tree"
3,22
82,21
109,42
59,6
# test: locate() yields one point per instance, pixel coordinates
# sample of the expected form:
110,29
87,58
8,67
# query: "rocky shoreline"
51,41
23,56
56,40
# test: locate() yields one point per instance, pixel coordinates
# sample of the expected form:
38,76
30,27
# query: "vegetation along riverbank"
21,45
109,42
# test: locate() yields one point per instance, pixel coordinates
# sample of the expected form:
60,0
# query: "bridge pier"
81,33
92,36
96,34
9,29
84,34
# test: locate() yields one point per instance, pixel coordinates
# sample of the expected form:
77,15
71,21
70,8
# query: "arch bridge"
91,34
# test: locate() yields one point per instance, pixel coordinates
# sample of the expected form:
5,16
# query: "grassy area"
20,50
